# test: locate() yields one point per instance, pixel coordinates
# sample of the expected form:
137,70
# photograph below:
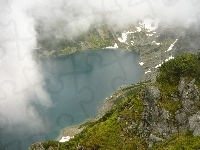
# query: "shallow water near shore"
77,84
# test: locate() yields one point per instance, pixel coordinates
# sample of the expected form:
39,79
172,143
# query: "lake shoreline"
71,131
107,104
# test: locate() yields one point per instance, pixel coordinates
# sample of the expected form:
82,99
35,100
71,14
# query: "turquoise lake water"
79,82
77,85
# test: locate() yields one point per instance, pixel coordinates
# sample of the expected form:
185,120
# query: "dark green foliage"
54,144
186,65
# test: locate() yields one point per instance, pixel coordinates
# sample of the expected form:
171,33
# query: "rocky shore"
70,131
158,124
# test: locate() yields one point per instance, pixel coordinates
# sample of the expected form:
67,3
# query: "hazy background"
69,18
21,79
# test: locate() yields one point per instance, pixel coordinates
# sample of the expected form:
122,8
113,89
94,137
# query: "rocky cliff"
159,124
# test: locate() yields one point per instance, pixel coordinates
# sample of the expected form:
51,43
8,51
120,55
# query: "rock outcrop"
158,124
37,146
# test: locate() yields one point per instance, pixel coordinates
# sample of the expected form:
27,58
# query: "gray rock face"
187,116
152,93
181,87
181,118
188,91
155,119
153,139
193,92
194,122
36,146
157,123
189,106
181,121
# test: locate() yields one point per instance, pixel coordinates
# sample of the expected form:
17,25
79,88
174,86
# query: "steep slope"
160,115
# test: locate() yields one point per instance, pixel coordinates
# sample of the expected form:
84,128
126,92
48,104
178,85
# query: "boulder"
181,118
153,139
189,106
181,86
152,93
37,146
194,123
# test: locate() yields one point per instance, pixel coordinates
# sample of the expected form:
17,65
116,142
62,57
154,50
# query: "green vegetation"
110,131
182,141
186,65
118,128
95,38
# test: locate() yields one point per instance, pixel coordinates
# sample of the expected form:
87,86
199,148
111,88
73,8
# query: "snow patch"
141,63
171,46
65,138
138,29
123,38
149,34
156,43
129,32
159,65
113,47
170,57
147,71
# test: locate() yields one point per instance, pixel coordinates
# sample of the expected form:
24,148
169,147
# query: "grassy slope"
186,65
112,130
182,141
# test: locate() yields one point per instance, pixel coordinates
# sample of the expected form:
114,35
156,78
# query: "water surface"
77,85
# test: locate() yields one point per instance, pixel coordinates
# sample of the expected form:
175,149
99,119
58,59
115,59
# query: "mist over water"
76,84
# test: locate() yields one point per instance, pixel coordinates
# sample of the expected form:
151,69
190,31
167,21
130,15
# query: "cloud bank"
21,82
67,19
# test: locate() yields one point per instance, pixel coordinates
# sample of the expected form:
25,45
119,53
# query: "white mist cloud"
67,19
21,83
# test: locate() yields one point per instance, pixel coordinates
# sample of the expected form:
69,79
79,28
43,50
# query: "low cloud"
21,82
67,19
